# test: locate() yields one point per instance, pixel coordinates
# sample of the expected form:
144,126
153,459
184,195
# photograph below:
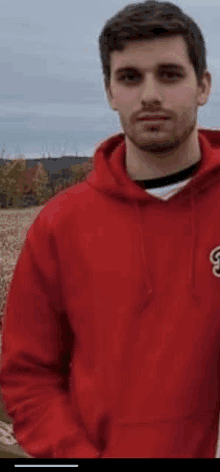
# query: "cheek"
182,96
123,97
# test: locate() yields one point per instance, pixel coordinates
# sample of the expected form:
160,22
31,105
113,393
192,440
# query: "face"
151,86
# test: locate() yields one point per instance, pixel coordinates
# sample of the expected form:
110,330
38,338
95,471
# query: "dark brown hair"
148,20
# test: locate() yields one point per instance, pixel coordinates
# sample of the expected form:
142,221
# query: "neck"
142,165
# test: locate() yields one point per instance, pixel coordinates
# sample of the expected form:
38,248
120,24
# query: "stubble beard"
157,147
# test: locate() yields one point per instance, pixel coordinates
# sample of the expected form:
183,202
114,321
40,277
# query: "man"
111,328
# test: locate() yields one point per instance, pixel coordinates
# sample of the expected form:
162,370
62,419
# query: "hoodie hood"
109,176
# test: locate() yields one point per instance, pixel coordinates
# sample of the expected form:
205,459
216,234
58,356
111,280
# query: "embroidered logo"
215,259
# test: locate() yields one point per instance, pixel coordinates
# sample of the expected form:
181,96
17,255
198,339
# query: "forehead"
148,54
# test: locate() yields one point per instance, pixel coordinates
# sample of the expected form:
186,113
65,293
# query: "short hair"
145,21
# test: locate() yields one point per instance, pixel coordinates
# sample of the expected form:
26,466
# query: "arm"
37,349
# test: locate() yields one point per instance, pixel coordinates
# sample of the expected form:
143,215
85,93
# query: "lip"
162,118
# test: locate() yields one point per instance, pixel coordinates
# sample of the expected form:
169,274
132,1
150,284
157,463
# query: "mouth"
154,120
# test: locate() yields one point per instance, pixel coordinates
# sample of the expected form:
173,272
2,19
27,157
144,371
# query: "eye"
172,74
125,76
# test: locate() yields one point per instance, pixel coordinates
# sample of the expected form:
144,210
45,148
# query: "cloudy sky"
52,89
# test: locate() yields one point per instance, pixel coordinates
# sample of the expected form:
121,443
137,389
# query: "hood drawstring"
147,279
191,277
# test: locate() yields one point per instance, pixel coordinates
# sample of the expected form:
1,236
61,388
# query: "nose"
151,90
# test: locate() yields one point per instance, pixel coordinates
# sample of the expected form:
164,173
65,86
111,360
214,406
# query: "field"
14,224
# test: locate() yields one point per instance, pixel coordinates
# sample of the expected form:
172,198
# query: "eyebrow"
163,66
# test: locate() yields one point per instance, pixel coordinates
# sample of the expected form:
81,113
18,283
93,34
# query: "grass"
14,224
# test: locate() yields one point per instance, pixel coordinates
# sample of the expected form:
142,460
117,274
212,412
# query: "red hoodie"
111,329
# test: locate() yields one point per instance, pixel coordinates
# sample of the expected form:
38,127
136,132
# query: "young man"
111,328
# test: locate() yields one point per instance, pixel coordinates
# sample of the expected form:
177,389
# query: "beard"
156,145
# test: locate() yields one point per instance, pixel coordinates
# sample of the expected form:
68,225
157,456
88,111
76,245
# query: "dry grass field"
14,224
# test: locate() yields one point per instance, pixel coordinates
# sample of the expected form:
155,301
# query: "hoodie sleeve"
36,355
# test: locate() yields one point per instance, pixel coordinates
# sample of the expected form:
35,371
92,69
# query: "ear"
204,88
110,98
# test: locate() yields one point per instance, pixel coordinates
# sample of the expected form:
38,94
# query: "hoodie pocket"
185,437
128,441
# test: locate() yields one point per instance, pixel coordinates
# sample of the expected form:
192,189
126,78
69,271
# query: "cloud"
17,96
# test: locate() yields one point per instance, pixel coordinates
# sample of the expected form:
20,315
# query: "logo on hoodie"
215,259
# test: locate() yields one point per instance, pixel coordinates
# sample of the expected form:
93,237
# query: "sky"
52,96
